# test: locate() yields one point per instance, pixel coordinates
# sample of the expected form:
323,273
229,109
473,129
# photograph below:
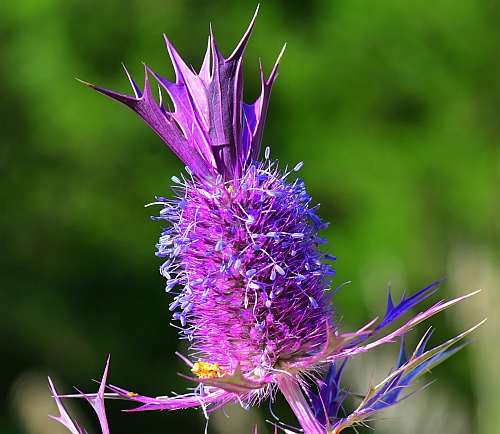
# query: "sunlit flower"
250,281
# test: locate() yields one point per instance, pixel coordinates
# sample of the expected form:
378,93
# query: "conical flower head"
245,253
241,241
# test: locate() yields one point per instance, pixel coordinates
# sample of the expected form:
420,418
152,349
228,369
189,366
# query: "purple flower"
244,261
252,281
241,241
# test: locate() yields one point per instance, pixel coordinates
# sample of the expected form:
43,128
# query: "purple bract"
211,130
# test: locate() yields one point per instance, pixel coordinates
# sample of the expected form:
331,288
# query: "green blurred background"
394,108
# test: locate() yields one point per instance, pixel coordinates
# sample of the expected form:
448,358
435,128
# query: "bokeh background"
394,108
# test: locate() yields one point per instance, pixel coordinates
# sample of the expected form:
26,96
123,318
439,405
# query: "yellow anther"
230,189
208,370
132,394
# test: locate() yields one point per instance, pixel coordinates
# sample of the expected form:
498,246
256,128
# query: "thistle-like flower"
244,261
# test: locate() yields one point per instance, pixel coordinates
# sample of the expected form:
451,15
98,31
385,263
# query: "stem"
290,389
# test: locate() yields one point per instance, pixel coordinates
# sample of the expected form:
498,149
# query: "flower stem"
290,389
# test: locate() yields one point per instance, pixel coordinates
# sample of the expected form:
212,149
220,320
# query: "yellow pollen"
208,370
132,394
230,189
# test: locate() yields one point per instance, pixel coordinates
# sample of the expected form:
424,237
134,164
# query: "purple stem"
290,389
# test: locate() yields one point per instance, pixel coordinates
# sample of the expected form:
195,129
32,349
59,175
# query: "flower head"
244,263
252,280
241,240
